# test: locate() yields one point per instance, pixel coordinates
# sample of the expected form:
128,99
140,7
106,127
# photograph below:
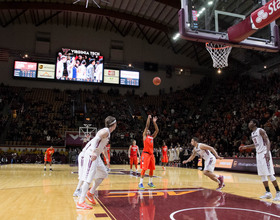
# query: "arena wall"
22,38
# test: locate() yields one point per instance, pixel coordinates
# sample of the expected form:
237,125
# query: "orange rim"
216,48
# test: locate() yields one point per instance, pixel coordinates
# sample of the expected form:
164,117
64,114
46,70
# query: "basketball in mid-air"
156,81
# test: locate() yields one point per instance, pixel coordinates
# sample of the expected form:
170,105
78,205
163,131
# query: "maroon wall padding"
241,31
250,165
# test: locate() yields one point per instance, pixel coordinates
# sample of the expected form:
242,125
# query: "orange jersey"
49,152
133,151
149,145
48,155
164,150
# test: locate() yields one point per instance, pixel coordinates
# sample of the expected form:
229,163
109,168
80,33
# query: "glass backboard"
212,20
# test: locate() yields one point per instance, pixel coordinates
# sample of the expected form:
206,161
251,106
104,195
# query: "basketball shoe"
267,195
221,184
83,206
277,197
151,185
90,198
141,186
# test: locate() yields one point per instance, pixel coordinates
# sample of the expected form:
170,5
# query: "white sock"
45,167
141,180
150,179
97,182
84,192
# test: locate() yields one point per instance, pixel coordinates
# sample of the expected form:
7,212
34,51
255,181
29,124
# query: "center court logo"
174,192
261,16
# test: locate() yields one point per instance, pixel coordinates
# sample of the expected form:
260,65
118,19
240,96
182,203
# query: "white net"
219,54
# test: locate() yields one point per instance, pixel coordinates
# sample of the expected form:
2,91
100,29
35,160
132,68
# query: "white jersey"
258,141
97,143
59,69
205,154
171,154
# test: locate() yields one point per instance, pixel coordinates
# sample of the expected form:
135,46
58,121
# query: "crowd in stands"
234,102
217,112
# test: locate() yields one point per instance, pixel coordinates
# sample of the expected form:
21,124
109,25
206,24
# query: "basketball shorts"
210,164
93,169
265,168
147,161
164,159
48,158
133,160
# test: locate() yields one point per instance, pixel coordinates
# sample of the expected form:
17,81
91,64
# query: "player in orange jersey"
164,157
148,158
48,157
133,151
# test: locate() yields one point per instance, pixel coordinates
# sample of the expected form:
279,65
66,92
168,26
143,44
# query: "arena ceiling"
155,21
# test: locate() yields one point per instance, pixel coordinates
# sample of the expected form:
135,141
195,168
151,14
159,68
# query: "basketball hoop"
219,54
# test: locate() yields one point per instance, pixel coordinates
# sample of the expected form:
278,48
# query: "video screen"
111,76
130,78
46,71
25,69
79,65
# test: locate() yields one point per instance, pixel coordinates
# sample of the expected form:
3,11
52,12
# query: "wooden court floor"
28,192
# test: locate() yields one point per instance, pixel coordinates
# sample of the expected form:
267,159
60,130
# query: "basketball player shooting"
148,158
209,155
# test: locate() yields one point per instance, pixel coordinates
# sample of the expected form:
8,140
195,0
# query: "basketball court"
28,192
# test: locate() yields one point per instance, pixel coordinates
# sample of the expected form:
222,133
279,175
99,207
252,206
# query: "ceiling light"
176,36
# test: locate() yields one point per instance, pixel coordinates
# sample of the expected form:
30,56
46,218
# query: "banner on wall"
72,138
242,164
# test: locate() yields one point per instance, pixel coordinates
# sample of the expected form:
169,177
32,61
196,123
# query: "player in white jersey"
209,155
264,160
92,164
